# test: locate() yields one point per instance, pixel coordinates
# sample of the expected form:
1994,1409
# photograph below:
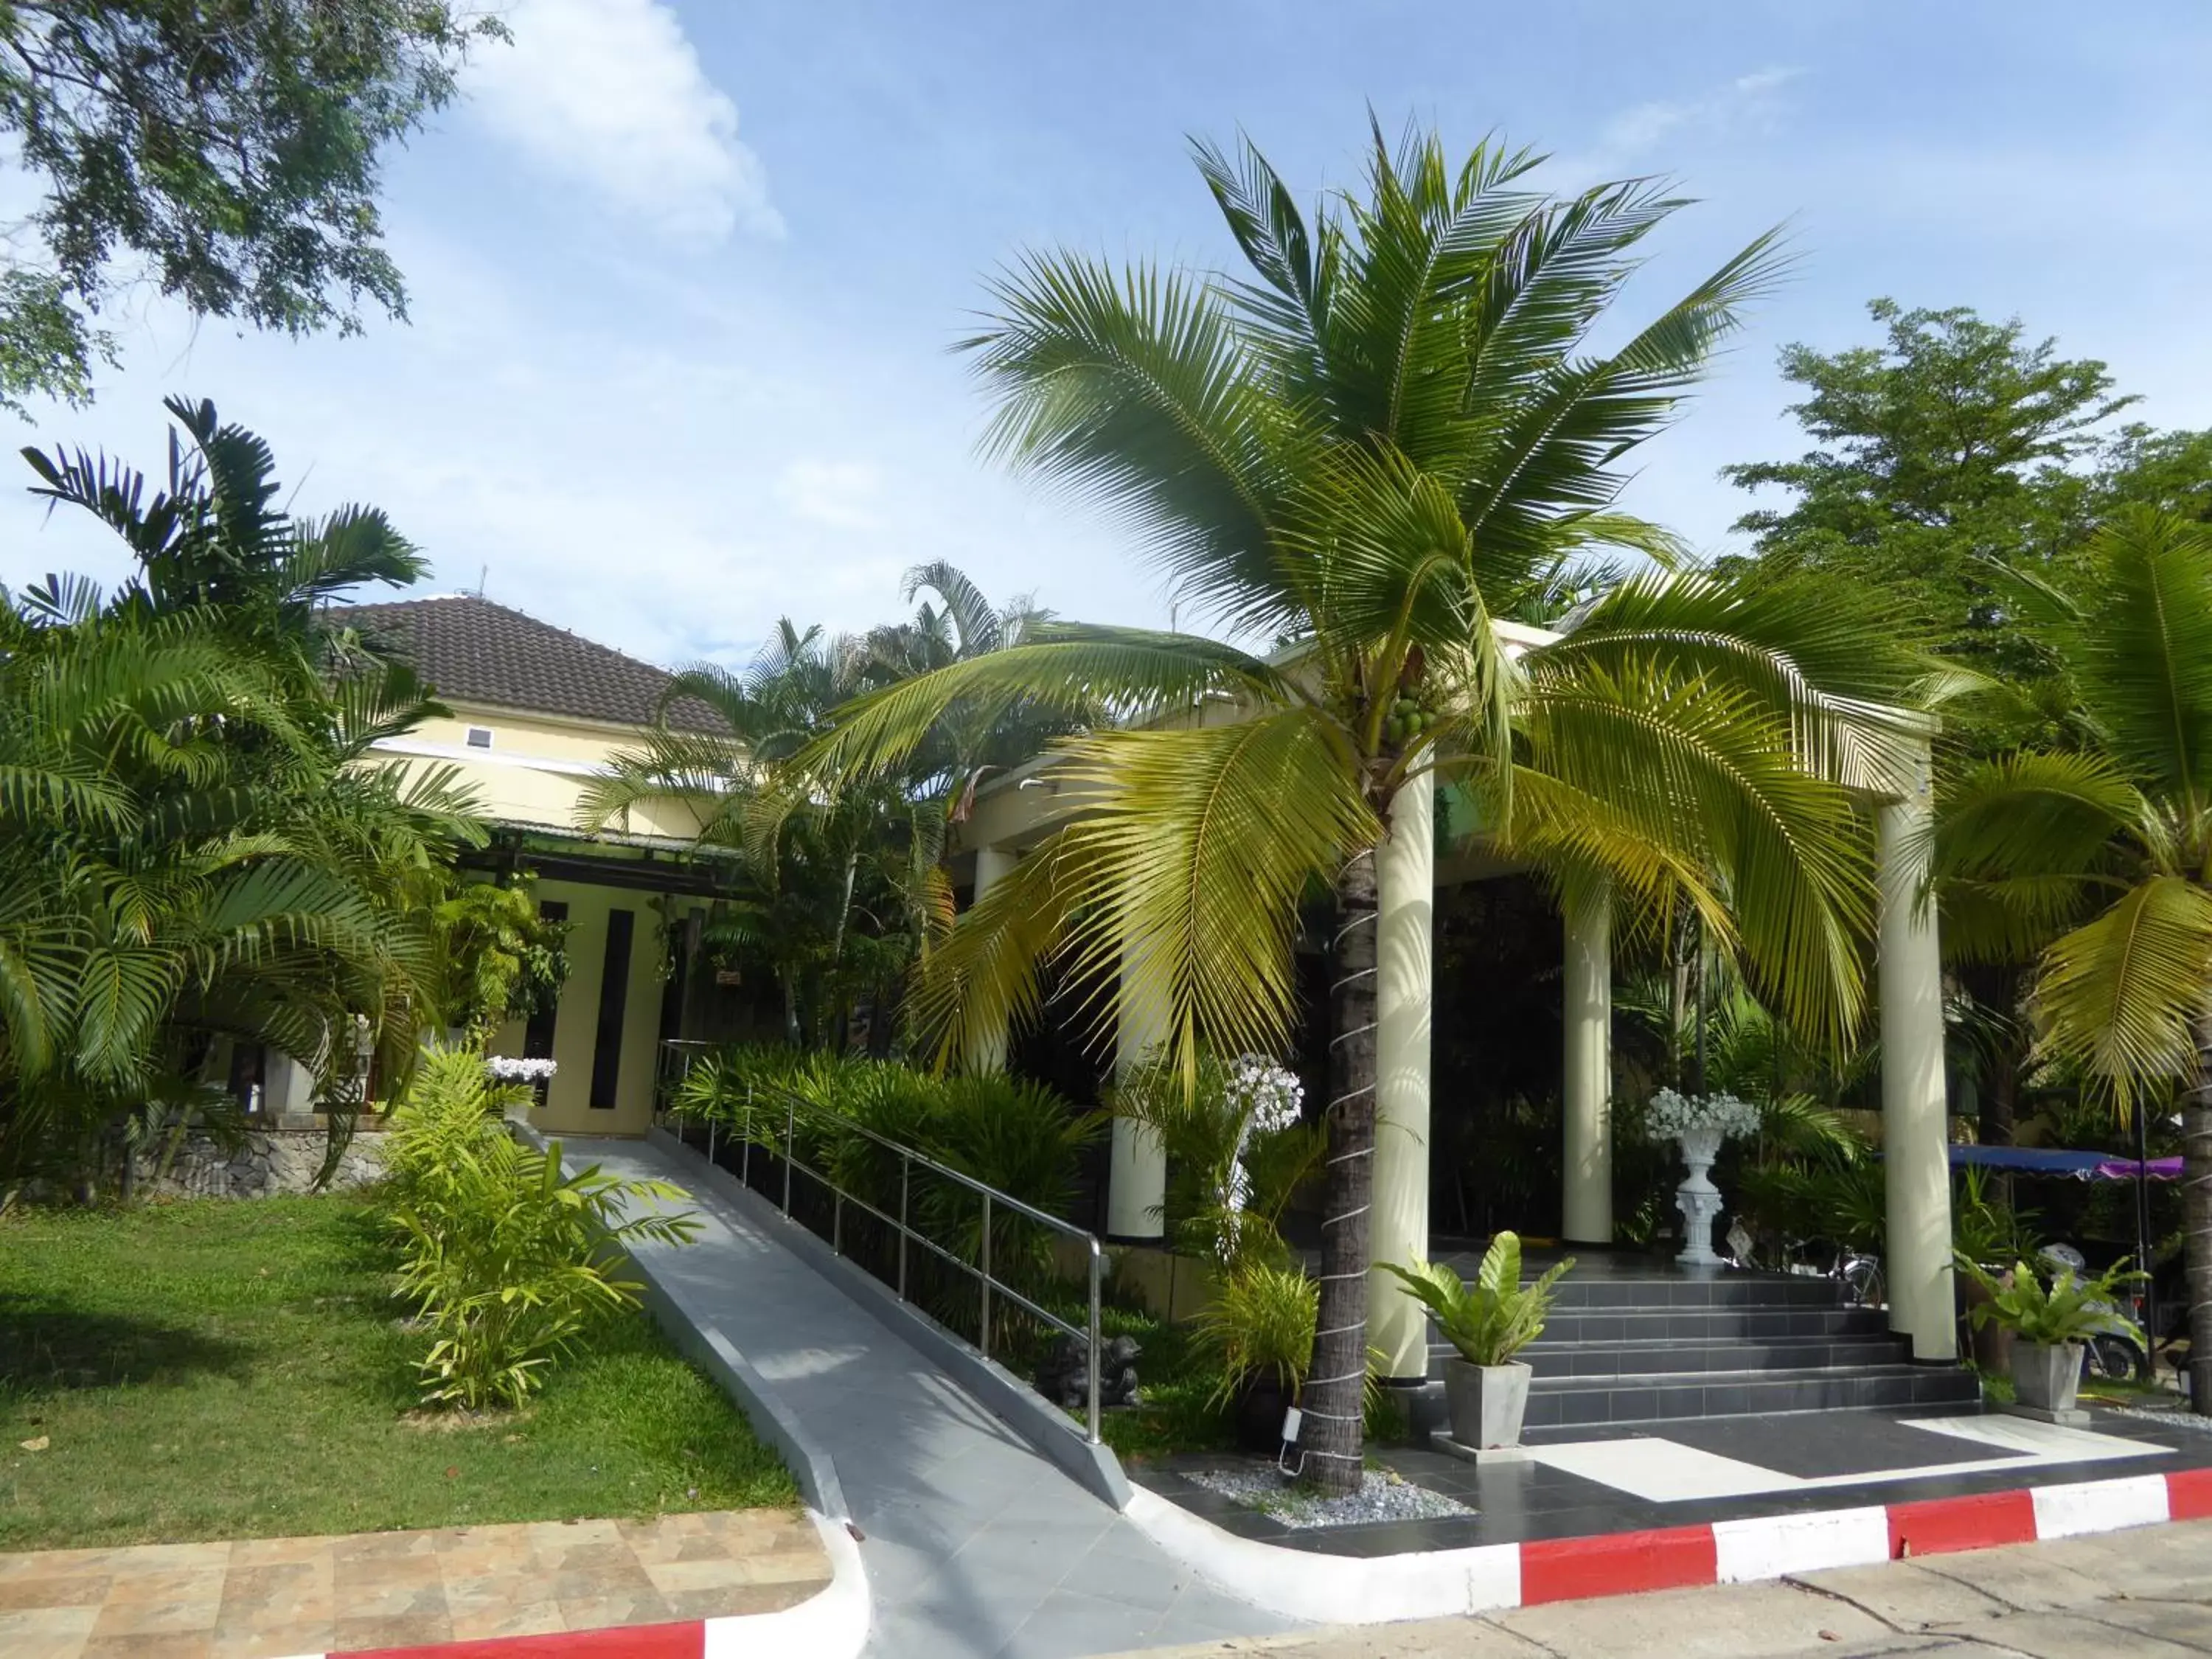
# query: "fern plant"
507,1258
2069,1310
1495,1316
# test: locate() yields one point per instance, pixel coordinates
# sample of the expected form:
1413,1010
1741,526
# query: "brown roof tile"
471,650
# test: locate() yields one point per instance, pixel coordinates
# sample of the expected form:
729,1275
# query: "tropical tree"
226,154
191,846
2096,859
845,891
1387,434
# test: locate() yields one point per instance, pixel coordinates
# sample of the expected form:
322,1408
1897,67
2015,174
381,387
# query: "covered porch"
1019,809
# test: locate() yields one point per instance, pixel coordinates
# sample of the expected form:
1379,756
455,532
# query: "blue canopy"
2043,1160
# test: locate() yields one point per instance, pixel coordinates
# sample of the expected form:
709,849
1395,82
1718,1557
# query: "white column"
1406,879
1137,1175
1586,1070
1915,1127
986,1051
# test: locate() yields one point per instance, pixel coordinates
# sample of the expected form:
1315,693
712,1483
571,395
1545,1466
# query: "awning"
2082,1166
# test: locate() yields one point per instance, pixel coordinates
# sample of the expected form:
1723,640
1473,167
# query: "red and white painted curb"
832,1624
1348,1590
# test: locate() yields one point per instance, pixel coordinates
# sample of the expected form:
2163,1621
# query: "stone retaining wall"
265,1165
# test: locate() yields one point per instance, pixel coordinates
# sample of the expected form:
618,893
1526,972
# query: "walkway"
259,1596
974,1544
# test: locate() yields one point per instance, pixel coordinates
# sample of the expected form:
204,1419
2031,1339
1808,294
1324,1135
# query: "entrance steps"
1636,1340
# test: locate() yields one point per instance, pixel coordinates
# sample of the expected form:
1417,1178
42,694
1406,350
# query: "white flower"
1268,1095
508,1069
1671,1115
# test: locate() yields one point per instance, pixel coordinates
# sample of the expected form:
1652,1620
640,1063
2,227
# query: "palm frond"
2120,996
1136,392
1136,672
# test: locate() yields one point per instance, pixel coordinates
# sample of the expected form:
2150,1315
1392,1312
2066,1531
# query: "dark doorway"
1494,1158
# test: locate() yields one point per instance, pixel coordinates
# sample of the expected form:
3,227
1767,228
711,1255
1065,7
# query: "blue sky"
684,275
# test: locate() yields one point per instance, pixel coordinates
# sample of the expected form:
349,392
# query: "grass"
1175,1380
232,1369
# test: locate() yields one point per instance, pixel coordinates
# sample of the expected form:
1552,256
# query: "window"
538,1035
614,997
479,737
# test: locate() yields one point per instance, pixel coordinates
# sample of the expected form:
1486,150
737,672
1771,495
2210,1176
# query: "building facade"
536,714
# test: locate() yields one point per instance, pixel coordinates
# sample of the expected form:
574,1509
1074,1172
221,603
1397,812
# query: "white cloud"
839,494
611,95
1747,100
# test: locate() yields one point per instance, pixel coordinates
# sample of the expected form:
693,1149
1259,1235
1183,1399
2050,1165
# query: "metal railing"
796,1111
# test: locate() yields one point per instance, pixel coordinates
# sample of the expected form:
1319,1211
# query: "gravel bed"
2174,1418
1383,1495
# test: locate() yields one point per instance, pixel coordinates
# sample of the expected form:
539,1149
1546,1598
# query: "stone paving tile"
263,1598
46,1633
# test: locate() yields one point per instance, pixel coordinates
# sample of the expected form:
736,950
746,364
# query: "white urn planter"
1487,1402
1699,1124
1696,1198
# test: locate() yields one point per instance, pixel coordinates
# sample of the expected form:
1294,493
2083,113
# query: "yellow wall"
538,767
568,1108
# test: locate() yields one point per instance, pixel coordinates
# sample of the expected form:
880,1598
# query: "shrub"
507,1258
1495,1317
1020,1137
1261,1325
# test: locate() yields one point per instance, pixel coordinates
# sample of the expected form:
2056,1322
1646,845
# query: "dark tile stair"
1632,1341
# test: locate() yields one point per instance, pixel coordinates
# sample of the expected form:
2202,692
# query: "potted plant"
1988,1232
1260,1330
2050,1323
1488,1321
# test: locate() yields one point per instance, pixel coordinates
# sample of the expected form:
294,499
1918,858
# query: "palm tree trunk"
2197,1217
1334,1397
1997,989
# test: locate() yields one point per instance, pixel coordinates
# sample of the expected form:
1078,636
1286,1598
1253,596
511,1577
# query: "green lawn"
219,1369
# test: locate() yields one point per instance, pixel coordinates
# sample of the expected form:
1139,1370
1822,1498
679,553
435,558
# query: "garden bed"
210,1368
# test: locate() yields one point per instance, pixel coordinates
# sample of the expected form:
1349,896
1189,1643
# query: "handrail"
987,1282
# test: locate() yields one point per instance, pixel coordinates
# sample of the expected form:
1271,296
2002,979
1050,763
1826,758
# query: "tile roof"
471,650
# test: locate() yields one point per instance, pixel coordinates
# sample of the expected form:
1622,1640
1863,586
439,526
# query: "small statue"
1065,1374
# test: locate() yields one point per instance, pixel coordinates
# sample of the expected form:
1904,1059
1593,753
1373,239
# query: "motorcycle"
2112,1355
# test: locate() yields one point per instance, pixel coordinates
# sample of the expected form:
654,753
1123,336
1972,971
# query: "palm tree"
191,844
847,889
1387,434
216,540
2096,860
191,848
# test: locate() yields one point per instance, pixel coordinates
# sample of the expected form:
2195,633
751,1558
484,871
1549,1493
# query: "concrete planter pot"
2046,1377
1487,1403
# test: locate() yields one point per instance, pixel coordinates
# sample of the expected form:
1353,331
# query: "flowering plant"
1672,1115
1267,1095
1265,1098
508,1069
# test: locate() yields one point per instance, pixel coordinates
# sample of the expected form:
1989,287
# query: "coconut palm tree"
1387,434
2097,860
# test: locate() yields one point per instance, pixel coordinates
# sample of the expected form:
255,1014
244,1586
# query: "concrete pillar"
1915,1127
1406,879
1586,1070
987,1051
1137,1174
